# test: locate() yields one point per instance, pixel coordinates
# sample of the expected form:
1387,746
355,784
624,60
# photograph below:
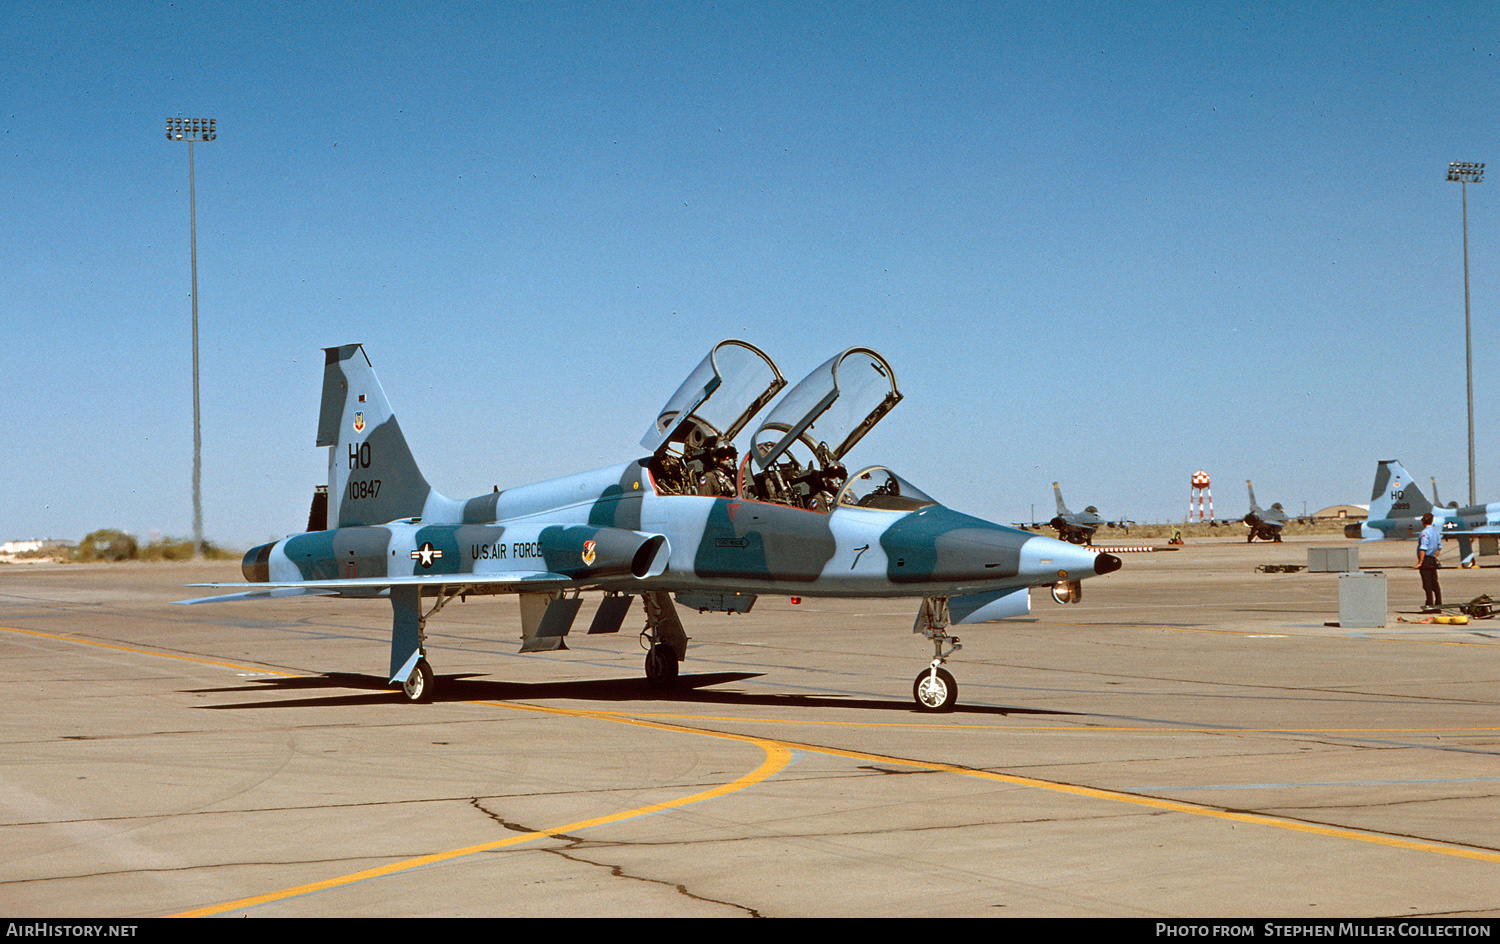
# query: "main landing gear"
935,689
661,666
418,685
409,638
664,639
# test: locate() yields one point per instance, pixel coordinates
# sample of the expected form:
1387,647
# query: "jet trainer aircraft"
1397,506
1265,524
689,519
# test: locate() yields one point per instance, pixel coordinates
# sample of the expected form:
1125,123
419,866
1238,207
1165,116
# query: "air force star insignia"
426,554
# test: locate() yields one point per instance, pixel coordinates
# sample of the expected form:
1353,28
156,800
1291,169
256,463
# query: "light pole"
191,130
1467,173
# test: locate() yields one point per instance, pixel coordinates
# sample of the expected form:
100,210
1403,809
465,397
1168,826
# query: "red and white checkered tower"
1199,495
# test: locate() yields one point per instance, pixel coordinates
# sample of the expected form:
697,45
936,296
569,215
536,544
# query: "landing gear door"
847,396
722,394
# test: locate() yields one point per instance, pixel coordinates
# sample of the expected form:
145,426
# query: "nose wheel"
935,690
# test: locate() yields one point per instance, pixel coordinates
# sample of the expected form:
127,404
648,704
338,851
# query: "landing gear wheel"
661,666
418,685
935,692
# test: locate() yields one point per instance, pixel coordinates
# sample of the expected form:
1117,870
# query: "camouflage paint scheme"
390,533
1397,506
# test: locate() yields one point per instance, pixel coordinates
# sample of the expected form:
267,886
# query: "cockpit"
879,488
692,439
796,454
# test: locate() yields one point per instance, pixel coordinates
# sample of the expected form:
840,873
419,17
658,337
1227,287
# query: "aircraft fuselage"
611,530
1453,521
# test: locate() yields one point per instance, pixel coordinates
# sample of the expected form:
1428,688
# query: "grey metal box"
1362,600
1332,560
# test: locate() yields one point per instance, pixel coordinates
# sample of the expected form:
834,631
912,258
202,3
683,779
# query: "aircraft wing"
263,594
508,582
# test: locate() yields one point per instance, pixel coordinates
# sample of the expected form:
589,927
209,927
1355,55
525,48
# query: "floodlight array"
1466,171
191,129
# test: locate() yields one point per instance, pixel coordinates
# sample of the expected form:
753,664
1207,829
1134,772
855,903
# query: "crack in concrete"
573,844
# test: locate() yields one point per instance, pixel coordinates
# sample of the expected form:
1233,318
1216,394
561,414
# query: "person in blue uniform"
1429,543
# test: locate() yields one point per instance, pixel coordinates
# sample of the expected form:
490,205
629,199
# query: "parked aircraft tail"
1394,494
1061,508
372,476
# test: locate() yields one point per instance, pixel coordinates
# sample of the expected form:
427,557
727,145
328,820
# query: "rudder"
372,476
1394,494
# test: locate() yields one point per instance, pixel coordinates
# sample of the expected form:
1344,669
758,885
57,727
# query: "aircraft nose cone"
1106,564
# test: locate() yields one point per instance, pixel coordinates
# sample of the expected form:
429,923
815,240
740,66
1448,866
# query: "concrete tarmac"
1194,739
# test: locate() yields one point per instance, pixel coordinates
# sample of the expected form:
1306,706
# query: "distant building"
31,547
1342,512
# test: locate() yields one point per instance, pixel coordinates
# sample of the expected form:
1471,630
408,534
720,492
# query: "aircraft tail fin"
1253,506
372,476
1394,494
1061,508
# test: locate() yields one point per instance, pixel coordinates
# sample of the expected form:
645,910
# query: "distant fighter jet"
1436,501
686,520
1075,528
1265,524
1397,506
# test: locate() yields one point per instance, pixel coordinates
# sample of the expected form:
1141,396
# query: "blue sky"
1104,244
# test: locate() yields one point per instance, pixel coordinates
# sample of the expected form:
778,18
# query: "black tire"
935,694
661,666
418,686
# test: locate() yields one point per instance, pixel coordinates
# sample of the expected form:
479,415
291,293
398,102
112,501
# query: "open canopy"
831,409
722,394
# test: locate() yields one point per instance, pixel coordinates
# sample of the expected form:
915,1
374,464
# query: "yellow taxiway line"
777,757
144,652
778,754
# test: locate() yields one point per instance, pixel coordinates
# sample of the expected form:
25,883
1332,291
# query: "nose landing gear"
935,689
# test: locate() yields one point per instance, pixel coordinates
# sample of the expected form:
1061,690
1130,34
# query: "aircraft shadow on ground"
690,689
